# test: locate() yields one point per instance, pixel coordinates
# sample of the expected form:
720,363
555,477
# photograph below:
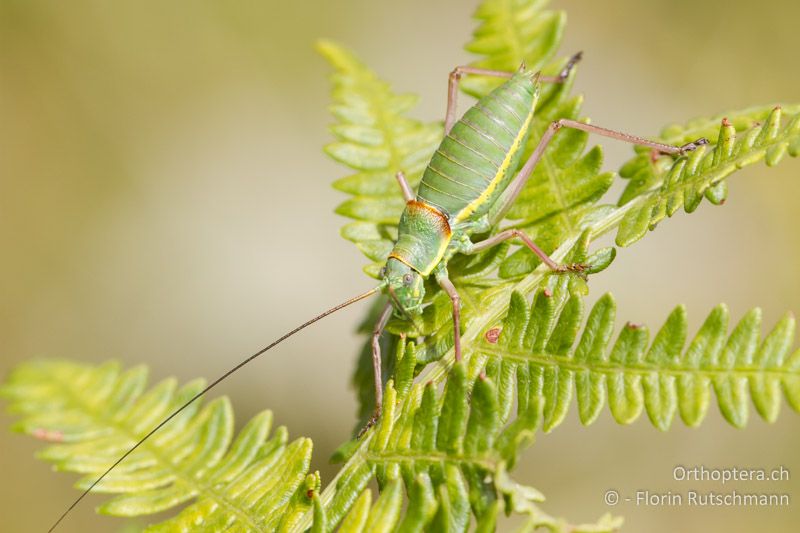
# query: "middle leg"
514,233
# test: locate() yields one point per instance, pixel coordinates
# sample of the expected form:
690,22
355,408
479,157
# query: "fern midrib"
608,367
76,400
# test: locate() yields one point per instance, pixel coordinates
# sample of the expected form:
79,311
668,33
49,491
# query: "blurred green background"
164,200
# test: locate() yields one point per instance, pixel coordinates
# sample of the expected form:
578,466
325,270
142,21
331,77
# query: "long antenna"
208,388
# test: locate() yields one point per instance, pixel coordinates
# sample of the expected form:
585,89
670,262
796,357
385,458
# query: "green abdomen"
480,154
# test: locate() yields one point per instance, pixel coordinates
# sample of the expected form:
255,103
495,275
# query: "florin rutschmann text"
695,497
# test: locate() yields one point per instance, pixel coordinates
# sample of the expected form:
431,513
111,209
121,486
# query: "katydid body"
468,186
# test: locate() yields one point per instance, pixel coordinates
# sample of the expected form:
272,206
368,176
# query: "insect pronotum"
467,188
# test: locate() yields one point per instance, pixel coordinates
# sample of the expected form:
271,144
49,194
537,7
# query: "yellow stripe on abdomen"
465,213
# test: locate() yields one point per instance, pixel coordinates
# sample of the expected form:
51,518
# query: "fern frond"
541,360
553,361
662,187
443,451
95,414
376,139
462,441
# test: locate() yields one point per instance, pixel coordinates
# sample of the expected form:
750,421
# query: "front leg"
385,315
448,287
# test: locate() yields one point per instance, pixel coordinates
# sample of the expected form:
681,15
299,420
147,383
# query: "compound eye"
408,279
382,273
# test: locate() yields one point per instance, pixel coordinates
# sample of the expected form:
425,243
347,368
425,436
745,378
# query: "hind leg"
504,202
458,73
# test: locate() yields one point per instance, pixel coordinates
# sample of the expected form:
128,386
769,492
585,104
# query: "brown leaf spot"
492,335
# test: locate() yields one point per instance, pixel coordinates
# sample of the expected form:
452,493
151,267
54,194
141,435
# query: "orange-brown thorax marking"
423,235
